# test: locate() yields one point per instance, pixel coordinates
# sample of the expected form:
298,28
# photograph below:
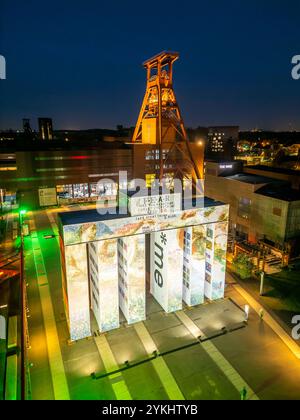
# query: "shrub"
243,266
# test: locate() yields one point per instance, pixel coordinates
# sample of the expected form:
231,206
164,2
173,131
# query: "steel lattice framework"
161,109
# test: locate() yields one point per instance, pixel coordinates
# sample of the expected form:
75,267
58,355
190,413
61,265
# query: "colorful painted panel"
78,291
166,269
194,264
132,294
215,265
219,263
127,226
104,283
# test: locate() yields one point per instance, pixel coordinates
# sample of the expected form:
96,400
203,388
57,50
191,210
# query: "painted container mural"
187,262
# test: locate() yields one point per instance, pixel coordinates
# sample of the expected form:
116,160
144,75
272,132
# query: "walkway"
270,321
117,381
160,366
60,386
227,369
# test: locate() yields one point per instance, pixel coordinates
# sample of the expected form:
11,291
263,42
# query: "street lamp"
262,280
21,216
22,213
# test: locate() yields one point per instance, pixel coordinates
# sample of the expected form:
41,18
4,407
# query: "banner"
155,204
194,265
219,263
78,291
215,265
116,227
103,270
166,266
131,263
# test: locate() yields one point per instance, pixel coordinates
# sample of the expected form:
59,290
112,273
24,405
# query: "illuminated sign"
215,265
47,197
166,269
154,204
226,166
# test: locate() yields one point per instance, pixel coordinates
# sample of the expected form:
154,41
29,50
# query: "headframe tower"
160,122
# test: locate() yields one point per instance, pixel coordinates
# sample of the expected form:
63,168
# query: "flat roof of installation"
90,216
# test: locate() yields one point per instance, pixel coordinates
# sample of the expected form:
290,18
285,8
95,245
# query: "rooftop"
252,179
284,194
274,169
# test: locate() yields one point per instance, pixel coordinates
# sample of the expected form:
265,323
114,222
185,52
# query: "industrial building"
222,142
263,209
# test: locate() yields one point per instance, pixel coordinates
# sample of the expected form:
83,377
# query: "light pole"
262,280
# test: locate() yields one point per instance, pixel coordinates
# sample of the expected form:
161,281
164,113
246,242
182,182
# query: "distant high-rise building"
222,142
26,126
46,128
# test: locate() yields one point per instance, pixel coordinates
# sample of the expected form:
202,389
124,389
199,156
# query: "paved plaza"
206,352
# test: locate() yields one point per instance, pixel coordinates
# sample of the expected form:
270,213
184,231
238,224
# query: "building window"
277,211
93,190
244,208
81,190
65,191
150,179
242,232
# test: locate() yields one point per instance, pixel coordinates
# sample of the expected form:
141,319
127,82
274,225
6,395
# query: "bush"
243,266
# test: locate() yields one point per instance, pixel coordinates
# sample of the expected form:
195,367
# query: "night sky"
79,62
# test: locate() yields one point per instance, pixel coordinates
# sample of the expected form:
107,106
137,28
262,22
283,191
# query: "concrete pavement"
270,321
228,370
